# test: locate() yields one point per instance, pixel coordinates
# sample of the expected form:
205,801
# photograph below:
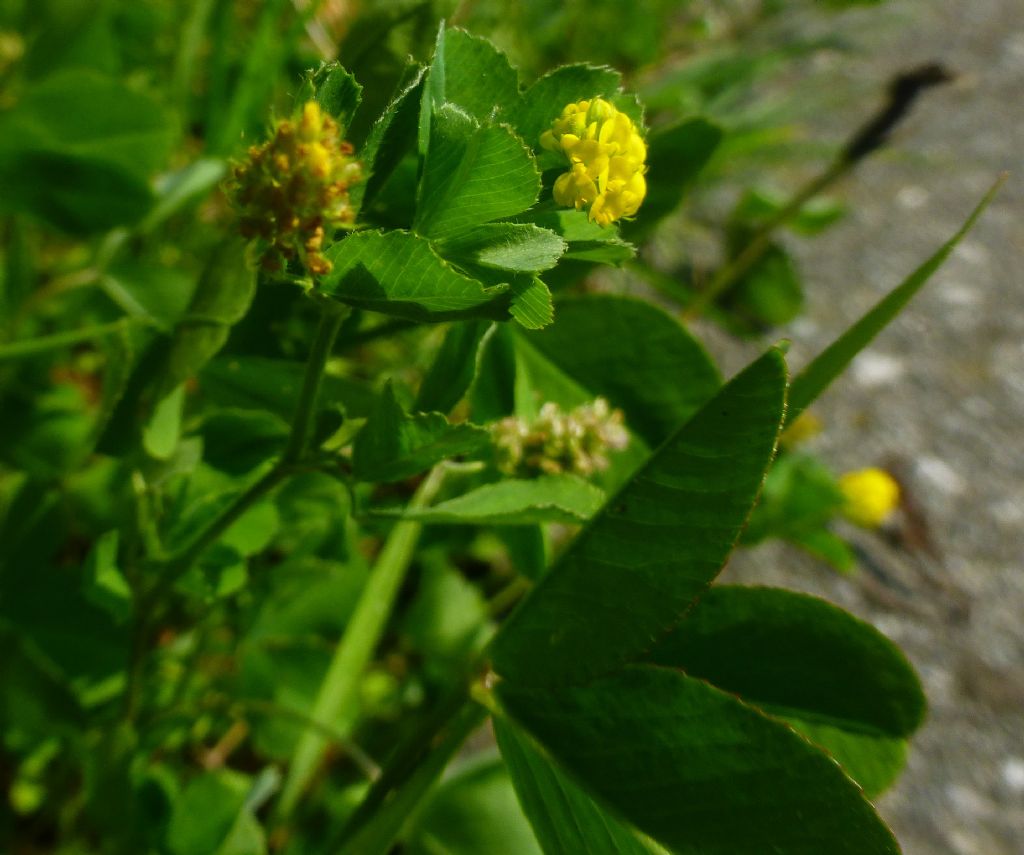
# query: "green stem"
736,269
295,451
390,803
336,700
180,563
330,322
32,346
508,596
183,561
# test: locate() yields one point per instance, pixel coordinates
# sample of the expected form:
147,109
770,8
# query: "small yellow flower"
871,496
607,160
292,188
575,188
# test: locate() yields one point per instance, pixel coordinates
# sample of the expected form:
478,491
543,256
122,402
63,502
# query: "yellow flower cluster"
607,160
295,185
871,496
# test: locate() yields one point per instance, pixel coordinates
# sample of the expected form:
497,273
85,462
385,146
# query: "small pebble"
940,475
1013,774
877,369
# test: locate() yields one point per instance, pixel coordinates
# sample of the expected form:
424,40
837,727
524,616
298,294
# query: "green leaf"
207,816
262,383
550,498
221,299
695,768
399,273
254,531
573,226
91,196
472,174
66,35
492,395
235,440
587,241
313,509
828,547
874,762
433,93
796,655
758,206
153,293
93,117
453,369
35,703
119,351
512,247
565,819
799,500
45,602
104,584
633,354
81,176
800,495
612,251
474,812
391,137
656,544
448,619
176,190
18,270
531,303
219,574
161,433
829,364
473,74
769,295
337,92
675,156
246,837
393,446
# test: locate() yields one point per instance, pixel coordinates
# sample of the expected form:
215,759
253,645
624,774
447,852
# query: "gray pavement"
940,398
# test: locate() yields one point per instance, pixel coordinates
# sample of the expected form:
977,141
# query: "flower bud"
294,187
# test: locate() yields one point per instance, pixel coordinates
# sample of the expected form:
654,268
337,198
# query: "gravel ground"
939,397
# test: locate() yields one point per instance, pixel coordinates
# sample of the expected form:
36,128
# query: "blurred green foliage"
189,523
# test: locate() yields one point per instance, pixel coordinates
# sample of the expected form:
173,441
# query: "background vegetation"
121,282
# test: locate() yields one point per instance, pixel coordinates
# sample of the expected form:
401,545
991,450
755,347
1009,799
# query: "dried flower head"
871,496
559,442
607,160
293,187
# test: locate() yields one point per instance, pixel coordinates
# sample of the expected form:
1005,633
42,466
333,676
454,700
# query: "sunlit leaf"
656,545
